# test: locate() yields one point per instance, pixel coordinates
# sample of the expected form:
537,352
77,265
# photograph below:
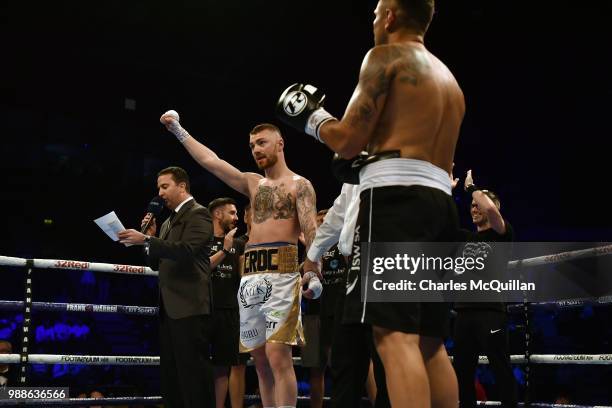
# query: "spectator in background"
5,348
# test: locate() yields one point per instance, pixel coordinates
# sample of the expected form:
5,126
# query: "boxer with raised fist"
283,206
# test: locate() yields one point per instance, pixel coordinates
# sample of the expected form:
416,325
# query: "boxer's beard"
269,161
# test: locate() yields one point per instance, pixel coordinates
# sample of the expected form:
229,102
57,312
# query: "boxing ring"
24,357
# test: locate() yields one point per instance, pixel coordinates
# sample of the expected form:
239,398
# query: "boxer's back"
423,110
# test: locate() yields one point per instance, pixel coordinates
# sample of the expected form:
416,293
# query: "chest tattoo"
273,202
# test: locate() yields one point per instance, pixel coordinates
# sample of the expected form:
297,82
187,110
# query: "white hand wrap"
314,284
315,121
175,127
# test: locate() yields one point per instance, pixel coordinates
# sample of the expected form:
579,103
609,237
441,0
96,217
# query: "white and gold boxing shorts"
269,296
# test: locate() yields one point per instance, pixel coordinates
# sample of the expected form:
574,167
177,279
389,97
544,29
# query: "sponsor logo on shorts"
262,260
249,334
295,103
277,314
255,292
353,272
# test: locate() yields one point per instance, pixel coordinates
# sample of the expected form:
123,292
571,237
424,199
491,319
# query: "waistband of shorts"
270,259
404,172
270,244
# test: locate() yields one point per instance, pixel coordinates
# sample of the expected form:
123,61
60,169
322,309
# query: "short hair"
494,197
323,212
220,202
178,174
265,126
418,13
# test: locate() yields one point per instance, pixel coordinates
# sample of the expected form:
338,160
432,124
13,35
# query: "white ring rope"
80,265
145,270
563,256
76,359
585,359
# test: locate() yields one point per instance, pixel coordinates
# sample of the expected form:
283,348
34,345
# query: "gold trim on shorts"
270,259
292,331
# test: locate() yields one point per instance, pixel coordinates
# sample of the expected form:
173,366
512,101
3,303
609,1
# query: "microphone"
154,208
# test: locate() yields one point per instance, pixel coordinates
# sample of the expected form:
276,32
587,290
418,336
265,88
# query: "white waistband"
404,172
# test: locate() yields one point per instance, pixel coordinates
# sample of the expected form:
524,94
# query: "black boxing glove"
347,170
300,107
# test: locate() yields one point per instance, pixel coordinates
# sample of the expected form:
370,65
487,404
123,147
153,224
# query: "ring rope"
159,400
79,359
562,257
586,359
80,266
145,270
12,305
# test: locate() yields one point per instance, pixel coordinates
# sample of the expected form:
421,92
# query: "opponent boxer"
284,204
409,102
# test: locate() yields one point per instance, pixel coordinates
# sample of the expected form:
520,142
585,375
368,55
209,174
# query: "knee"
279,360
262,365
388,342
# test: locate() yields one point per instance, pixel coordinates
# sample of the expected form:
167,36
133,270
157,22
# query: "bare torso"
275,216
424,108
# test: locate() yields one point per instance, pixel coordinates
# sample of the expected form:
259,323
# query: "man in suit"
181,255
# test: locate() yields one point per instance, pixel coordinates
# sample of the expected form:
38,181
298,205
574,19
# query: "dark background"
536,78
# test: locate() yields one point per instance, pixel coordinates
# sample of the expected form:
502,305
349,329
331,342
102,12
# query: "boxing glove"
300,107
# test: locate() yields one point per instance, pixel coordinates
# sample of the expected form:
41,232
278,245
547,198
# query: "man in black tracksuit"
479,326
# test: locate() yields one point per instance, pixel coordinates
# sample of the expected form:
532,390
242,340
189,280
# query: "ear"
281,144
390,18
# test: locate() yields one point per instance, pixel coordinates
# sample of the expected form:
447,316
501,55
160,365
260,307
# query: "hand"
228,241
469,180
311,266
171,120
152,229
314,286
302,238
300,107
454,181
131,236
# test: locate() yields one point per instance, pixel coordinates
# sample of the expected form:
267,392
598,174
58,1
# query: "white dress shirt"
338,225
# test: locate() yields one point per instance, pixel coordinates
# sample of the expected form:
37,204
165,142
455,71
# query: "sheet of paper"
111,225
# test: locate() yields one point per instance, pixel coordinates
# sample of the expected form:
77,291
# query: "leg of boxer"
380,385
407,383
439,370
264,376
285,383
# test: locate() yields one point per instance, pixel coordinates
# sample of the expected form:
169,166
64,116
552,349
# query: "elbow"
348,152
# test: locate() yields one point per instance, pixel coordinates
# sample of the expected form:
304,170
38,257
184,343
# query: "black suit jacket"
181,255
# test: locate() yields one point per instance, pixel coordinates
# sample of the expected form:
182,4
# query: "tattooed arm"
306,203
349,136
